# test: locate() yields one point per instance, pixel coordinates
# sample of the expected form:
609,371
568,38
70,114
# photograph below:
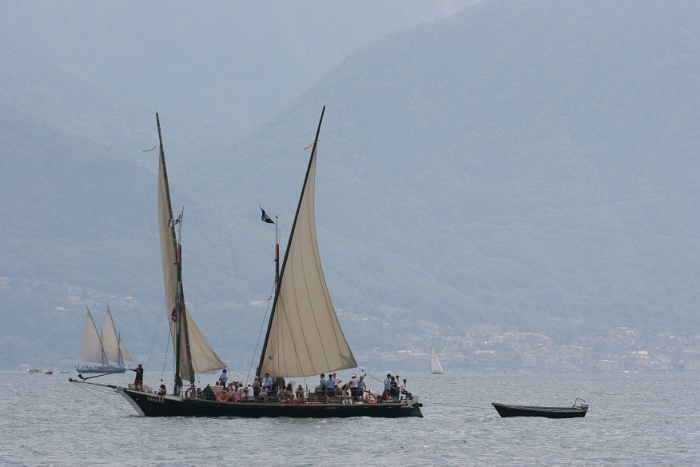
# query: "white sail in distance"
435,366
110,341
91,350
125,353
304,335
203,357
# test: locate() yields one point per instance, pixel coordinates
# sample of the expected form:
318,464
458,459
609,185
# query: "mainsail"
92,350
196,355
304,337
110,341
113,345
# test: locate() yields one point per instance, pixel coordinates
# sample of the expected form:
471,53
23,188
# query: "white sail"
125,353
91,350
203,357
305,337
110,341
435,366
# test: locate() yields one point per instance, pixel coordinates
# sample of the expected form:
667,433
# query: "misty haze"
511,185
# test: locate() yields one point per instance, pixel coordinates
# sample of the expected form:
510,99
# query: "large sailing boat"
303,336
102,349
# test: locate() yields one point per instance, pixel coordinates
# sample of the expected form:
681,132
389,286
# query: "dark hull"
147,405
105,371
548,412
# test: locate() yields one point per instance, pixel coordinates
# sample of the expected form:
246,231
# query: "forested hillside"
538,160
530,165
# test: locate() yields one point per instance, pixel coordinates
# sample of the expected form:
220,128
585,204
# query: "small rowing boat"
548,412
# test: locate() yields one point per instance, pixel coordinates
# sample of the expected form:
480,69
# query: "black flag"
265,217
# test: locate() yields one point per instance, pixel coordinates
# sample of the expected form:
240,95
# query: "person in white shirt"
404,389
223,378
251,394
353,387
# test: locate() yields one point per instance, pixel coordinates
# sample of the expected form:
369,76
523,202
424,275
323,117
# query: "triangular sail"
91,350
110,341
201,356
435,364
125,353
304,336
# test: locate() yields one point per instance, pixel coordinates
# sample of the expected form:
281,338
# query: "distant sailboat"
35,370
101,349
112,343
435,366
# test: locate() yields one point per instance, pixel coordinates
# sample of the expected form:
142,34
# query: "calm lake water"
634,419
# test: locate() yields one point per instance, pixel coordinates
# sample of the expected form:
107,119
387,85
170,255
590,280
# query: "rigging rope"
457,405
165,360
103,400
152,343
255,350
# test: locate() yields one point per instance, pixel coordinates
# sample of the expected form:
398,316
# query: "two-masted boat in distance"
101,349
303,338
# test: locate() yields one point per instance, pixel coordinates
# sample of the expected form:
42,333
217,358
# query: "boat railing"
582,406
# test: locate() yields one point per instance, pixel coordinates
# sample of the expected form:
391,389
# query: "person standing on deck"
387,385
394,388
223,378
361,387
353,387
138,380
330,386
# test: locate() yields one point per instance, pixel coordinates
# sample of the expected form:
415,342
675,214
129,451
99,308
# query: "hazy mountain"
538,158
527,164
217,68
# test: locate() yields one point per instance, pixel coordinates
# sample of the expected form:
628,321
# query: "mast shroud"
304,336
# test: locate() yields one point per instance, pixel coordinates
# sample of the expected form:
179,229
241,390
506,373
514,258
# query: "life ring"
371,398
189,391
223,396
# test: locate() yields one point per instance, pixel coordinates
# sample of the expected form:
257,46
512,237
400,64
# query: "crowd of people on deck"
268,389
330,389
